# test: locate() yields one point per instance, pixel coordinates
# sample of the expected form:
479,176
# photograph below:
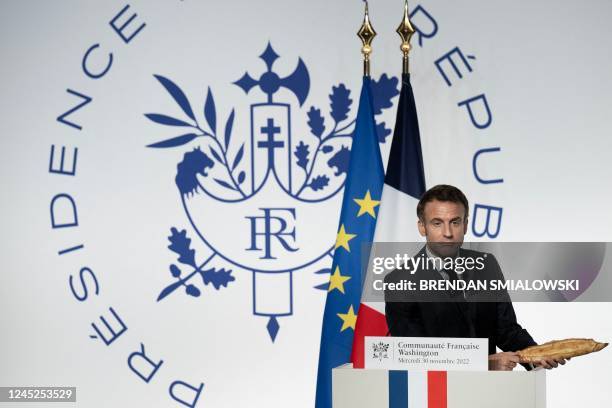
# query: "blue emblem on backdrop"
254,190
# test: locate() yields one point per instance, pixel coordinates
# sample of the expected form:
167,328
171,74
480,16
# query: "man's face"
444,224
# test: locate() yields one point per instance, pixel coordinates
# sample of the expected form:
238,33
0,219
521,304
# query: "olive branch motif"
218,149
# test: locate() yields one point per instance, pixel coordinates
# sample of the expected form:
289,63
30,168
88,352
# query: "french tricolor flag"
438,389
396,220
418,389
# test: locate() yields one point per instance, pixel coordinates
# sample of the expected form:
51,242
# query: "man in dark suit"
443,219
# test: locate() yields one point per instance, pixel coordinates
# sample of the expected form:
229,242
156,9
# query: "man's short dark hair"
442,192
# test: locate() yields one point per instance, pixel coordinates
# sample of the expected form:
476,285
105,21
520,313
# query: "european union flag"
362,193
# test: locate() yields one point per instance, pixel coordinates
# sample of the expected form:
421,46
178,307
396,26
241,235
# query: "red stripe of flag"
436,389
370,322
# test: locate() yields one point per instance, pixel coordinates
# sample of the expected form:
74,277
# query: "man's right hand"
505,361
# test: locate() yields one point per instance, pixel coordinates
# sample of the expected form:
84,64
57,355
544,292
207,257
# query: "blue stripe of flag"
398,389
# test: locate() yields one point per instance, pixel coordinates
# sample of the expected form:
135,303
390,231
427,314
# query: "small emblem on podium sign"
380,350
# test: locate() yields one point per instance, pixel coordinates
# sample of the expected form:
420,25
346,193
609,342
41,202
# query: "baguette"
559,349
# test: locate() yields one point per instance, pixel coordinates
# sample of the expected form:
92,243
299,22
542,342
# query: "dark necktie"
458,297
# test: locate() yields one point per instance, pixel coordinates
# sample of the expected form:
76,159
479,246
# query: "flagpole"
405,31
362,188
366,33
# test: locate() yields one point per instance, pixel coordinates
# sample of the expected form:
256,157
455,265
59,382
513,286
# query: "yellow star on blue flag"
343,238
367,205
336,281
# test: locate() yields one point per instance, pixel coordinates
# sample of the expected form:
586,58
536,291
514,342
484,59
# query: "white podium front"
362,388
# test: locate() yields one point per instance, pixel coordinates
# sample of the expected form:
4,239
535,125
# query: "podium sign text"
426,353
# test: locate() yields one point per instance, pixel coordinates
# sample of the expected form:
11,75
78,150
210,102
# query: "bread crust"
559,349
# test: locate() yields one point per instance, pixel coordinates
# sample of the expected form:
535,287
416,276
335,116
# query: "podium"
364,388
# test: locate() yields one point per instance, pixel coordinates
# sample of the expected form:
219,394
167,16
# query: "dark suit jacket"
452,316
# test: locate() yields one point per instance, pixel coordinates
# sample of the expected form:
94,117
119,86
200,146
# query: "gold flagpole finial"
367,34
405,31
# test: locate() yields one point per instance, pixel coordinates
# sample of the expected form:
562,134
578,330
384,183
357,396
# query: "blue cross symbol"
270,130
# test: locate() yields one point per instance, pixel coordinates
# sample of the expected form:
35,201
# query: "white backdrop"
543,68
